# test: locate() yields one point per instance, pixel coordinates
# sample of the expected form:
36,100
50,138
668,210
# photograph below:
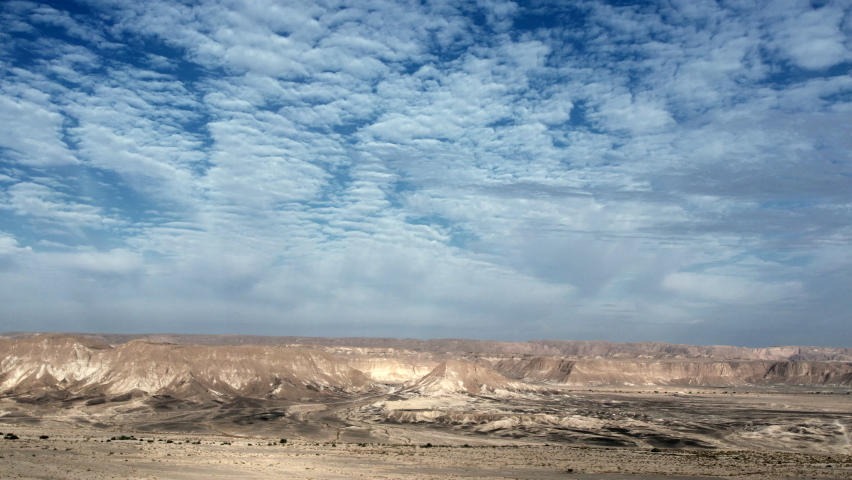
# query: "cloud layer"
675,171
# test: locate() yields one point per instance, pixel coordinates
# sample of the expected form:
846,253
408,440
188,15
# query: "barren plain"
145,408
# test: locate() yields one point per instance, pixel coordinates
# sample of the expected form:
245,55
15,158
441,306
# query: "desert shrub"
283,440
43,437
428,445
11,436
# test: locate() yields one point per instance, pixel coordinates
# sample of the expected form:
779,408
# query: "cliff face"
685,372
392,370
452,376
65,366
77,366
564,348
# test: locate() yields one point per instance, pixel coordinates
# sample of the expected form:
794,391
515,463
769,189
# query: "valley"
346,402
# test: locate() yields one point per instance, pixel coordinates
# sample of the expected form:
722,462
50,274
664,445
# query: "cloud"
810,38
10,246
729,288
637,115
426,169
41,203
33,133
112,263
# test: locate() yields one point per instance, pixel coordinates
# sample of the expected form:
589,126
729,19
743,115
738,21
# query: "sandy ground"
86,454
750,434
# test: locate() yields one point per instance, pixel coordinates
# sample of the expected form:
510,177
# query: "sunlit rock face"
392,370
452,376
66,366
673,372
77,366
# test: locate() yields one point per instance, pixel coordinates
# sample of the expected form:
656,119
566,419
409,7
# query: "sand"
79,453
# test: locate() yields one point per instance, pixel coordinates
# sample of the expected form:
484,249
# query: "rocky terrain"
452,376
62,367
325,394
93,454
564,348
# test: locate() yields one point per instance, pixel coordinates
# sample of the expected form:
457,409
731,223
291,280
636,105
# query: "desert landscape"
184,406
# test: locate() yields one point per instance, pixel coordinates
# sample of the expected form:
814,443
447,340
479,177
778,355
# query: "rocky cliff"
555,370
71,366
564,348
62,367
451,376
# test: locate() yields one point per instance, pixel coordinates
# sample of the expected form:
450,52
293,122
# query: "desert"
160,406
428,239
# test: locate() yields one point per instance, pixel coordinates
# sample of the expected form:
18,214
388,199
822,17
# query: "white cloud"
810,38
637,115
730,288
10,246
116,262
44,204
33,133
402,165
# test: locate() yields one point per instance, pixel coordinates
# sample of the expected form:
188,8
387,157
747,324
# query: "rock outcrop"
563,348
392,370
62,366
554,370
73,366
453,377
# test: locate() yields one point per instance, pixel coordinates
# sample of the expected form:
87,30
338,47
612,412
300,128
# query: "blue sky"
676,170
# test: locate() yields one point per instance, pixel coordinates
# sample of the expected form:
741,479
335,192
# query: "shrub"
283,440
43,437
11,436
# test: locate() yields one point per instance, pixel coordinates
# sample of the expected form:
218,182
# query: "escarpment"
64,366
671,372
452,376
73,366
392,370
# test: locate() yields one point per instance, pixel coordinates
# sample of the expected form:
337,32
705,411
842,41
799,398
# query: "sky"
675,171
